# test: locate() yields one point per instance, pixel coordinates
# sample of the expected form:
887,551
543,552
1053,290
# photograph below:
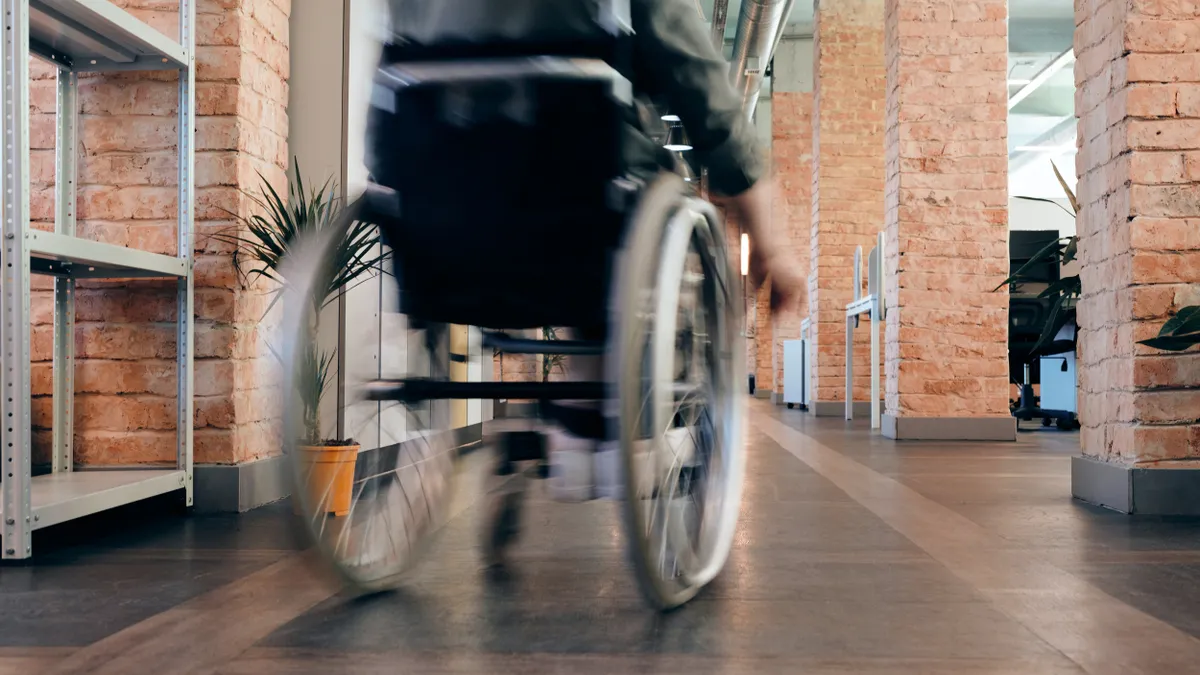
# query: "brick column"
791,207
1138,103
125,341
947,219
848,180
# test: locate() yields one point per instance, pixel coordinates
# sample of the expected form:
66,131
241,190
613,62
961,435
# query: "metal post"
849,367
64,287
14,298
877,330
186,336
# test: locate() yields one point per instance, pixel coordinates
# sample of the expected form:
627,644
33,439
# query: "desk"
872,305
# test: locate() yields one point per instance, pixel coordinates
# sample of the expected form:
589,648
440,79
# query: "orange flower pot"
328,475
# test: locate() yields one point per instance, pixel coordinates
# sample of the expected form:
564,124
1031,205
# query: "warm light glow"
745,254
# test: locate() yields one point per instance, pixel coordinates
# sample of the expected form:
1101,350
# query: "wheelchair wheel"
374,510
677,377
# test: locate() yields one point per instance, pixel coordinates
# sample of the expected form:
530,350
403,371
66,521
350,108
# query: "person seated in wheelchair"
514,175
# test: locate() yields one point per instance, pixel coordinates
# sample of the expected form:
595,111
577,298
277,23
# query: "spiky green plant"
262,245
1065,292
551,361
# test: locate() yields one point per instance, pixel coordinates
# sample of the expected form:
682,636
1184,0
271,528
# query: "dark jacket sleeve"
677,63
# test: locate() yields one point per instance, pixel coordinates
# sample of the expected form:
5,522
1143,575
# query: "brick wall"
848,179
947,217
791,206
1138,103
764,340
125,342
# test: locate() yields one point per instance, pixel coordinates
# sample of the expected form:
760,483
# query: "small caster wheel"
1046,421
791,405
502,527
1065,424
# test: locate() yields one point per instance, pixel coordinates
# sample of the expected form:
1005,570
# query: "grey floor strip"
1097,631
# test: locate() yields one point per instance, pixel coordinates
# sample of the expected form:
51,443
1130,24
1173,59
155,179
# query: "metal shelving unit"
78,36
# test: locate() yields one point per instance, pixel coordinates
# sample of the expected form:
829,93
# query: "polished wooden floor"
855,555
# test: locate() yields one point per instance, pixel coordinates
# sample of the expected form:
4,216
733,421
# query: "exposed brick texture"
791,209
947,217
848,180
125,341
764,339
1138,102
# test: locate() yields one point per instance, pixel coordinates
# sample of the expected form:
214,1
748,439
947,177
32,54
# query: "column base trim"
763,393
1168,491
838,409
237,488
949,428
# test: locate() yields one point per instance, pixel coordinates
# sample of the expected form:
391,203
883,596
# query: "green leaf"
1063,183
1048,201
1187,320
1058,318
1173,343
1071,250
1051,252
1067,286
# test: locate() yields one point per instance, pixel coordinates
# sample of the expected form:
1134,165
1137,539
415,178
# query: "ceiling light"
677,140
1046,148
671,118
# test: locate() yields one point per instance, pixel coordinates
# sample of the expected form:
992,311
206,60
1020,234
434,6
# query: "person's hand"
784,274
770,257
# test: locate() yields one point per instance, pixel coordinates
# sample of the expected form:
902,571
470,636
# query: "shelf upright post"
65,186
185,338
14,280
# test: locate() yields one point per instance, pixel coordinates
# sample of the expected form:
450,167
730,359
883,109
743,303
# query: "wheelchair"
499,187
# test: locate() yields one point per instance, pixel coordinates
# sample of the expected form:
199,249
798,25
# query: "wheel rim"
403,476
680,428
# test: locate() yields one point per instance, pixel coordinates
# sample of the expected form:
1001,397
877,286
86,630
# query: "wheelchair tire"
401,492
677,380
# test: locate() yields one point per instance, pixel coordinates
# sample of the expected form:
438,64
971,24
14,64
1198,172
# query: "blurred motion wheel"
678,394
403,476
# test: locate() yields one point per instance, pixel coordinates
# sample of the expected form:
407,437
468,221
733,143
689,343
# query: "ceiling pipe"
720,15
759,29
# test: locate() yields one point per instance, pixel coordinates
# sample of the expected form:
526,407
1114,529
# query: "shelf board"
59,254
59,497
98,35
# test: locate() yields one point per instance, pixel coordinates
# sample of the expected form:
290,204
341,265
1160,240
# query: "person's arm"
677,62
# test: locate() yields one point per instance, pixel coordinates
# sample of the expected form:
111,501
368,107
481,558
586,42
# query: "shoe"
570,459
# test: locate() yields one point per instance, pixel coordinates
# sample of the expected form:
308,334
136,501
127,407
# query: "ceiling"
1041,126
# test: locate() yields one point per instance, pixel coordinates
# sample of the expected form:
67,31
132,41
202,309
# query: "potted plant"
261,246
